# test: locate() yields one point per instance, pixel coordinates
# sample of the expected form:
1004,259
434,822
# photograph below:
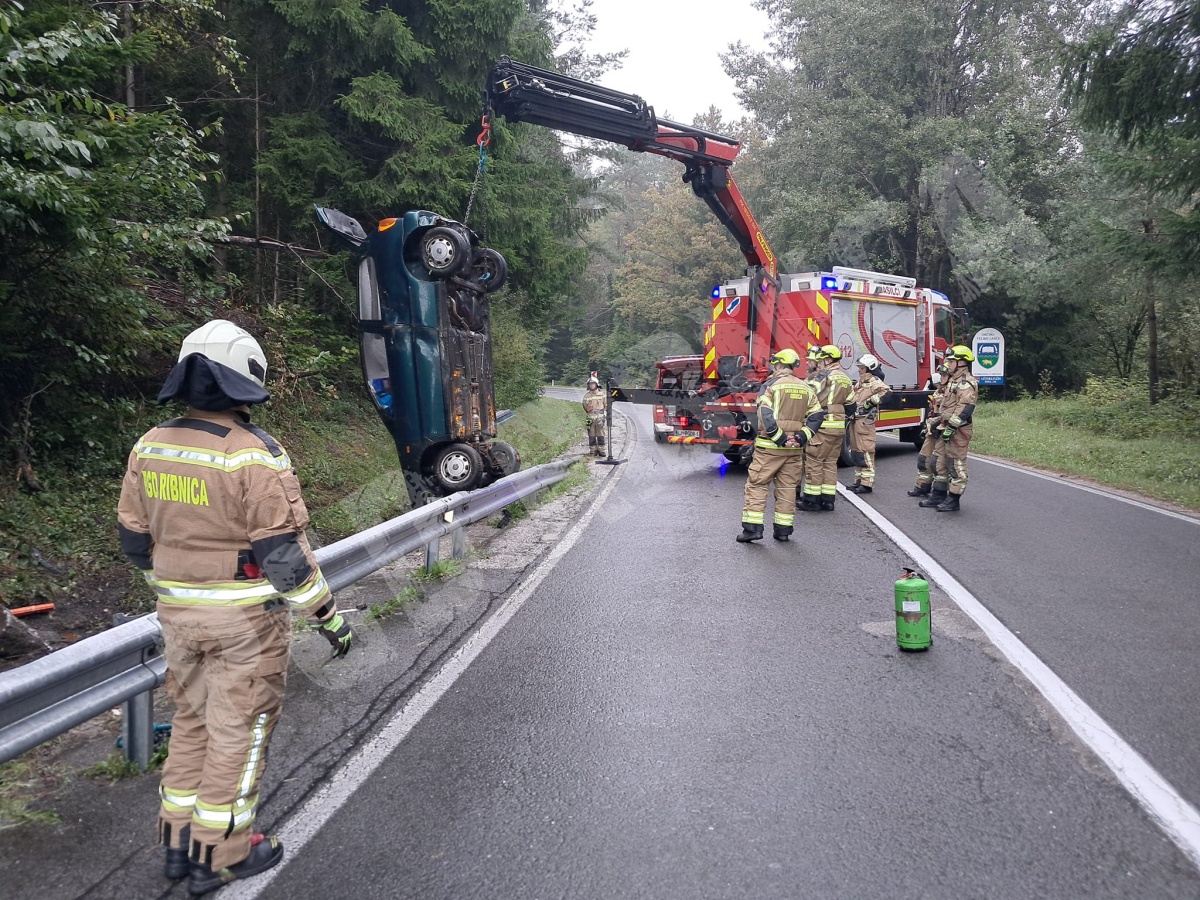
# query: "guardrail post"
137,729
460,543
433,552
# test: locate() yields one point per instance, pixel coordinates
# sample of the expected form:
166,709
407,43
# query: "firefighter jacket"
958,406
593,404
786,405
868,394
834,391
211,512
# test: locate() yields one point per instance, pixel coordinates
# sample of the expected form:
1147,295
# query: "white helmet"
233,347
867,361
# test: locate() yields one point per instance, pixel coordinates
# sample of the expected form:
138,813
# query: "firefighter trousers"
927,458
820,463
862,446
952,462
226,673
782,467
595,431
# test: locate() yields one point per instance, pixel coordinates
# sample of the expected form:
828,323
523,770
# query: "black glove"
337,632
948,432
800,437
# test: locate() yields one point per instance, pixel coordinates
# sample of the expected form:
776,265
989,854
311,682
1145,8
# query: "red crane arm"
524,93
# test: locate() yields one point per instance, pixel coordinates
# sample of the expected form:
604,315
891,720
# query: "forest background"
1037,162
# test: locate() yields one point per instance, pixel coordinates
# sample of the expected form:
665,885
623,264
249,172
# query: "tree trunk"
1152,341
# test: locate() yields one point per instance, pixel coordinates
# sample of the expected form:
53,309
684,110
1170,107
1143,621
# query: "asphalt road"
670,714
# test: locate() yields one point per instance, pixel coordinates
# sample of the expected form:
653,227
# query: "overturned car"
423,309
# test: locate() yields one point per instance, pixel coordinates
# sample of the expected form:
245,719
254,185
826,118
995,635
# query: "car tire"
445,251
457,467
488,270
504,458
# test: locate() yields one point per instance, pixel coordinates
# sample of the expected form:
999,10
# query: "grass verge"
1077,435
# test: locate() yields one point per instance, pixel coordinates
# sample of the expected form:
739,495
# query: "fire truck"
906,327
676,373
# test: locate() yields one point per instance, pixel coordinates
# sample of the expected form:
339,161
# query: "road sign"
988,347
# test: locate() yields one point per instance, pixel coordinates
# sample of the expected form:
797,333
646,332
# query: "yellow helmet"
828,351
785,357
960,351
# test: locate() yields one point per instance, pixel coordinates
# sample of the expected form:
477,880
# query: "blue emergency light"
716,294
829,284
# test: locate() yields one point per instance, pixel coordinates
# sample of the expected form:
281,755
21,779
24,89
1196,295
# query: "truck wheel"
845,459
457,467
444,251
488,270
914,435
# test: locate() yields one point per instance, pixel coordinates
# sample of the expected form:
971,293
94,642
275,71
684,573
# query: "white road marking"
334,793
1085,487
1177,818
1066,482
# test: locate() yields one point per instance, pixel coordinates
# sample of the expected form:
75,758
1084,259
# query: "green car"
423,308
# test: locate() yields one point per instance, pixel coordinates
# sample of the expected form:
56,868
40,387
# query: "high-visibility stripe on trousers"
226,672
769,465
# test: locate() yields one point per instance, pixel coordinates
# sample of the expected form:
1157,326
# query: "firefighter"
835,394
211,513
932,430
593,407
955,412
869,392
788,417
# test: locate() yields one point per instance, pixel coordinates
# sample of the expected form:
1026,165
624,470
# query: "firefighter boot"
827,502
920,490
860,488
808,502
177,857
950,504
750,533
265,852
781,532
936,496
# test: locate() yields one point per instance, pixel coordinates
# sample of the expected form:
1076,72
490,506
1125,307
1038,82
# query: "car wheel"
488,270
444,251
504,457
457,467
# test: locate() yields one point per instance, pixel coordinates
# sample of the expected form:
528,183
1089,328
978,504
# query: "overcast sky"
674,51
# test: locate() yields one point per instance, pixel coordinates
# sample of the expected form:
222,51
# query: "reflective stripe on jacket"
867,395
834,390
211,512
786,404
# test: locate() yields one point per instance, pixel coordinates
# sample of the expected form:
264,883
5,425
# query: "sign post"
988,347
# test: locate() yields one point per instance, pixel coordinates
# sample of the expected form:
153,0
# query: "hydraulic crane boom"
525,93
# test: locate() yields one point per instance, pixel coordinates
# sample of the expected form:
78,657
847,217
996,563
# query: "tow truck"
906,327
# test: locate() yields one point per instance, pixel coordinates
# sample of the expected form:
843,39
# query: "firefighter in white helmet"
594,406
835,394
869,391
211,513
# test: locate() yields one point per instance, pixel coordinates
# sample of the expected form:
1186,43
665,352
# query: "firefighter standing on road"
788,417
211,513
957,408
835,394
930,447
593,407
868,394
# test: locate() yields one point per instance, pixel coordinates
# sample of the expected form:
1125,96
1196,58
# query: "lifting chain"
484,139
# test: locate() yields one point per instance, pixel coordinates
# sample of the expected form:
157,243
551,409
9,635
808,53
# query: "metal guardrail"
49,696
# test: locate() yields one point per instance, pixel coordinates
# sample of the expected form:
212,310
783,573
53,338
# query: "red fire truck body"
905,327
676,373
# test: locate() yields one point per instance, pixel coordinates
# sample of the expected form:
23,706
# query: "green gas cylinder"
913,623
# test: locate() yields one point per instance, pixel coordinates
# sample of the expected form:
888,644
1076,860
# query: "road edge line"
1178,819
304,824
